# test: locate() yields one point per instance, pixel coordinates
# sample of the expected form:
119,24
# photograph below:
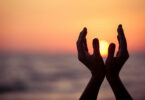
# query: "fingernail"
112,45
95,41
85,29
120,26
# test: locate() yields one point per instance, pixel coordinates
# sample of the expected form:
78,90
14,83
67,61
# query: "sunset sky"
53,25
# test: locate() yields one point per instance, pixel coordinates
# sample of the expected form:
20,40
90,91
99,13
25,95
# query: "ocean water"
61,77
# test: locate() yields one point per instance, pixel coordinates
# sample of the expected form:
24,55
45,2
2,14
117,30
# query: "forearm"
92,89
118,88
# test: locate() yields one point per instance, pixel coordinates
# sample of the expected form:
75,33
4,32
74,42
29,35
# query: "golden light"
104,48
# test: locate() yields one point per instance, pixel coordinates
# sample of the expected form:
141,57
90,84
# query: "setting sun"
104,48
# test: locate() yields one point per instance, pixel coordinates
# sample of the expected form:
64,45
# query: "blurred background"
38,56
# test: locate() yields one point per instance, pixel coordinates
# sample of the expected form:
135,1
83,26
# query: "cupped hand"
93,62
114,64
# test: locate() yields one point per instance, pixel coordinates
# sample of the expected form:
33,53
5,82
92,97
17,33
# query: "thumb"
96,47
111,51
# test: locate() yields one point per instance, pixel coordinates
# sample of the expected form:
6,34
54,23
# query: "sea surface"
61,77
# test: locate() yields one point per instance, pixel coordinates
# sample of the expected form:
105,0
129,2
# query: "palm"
93,62
114,64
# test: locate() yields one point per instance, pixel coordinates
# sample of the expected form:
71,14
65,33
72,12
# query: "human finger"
111,51
96,47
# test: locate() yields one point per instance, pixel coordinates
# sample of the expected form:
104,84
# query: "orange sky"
54,25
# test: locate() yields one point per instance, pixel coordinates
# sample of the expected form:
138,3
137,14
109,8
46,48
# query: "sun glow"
104,48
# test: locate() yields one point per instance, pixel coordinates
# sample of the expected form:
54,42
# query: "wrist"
98,73
98,76
112,77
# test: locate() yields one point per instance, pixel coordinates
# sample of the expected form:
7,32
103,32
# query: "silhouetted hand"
114,65
94,63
